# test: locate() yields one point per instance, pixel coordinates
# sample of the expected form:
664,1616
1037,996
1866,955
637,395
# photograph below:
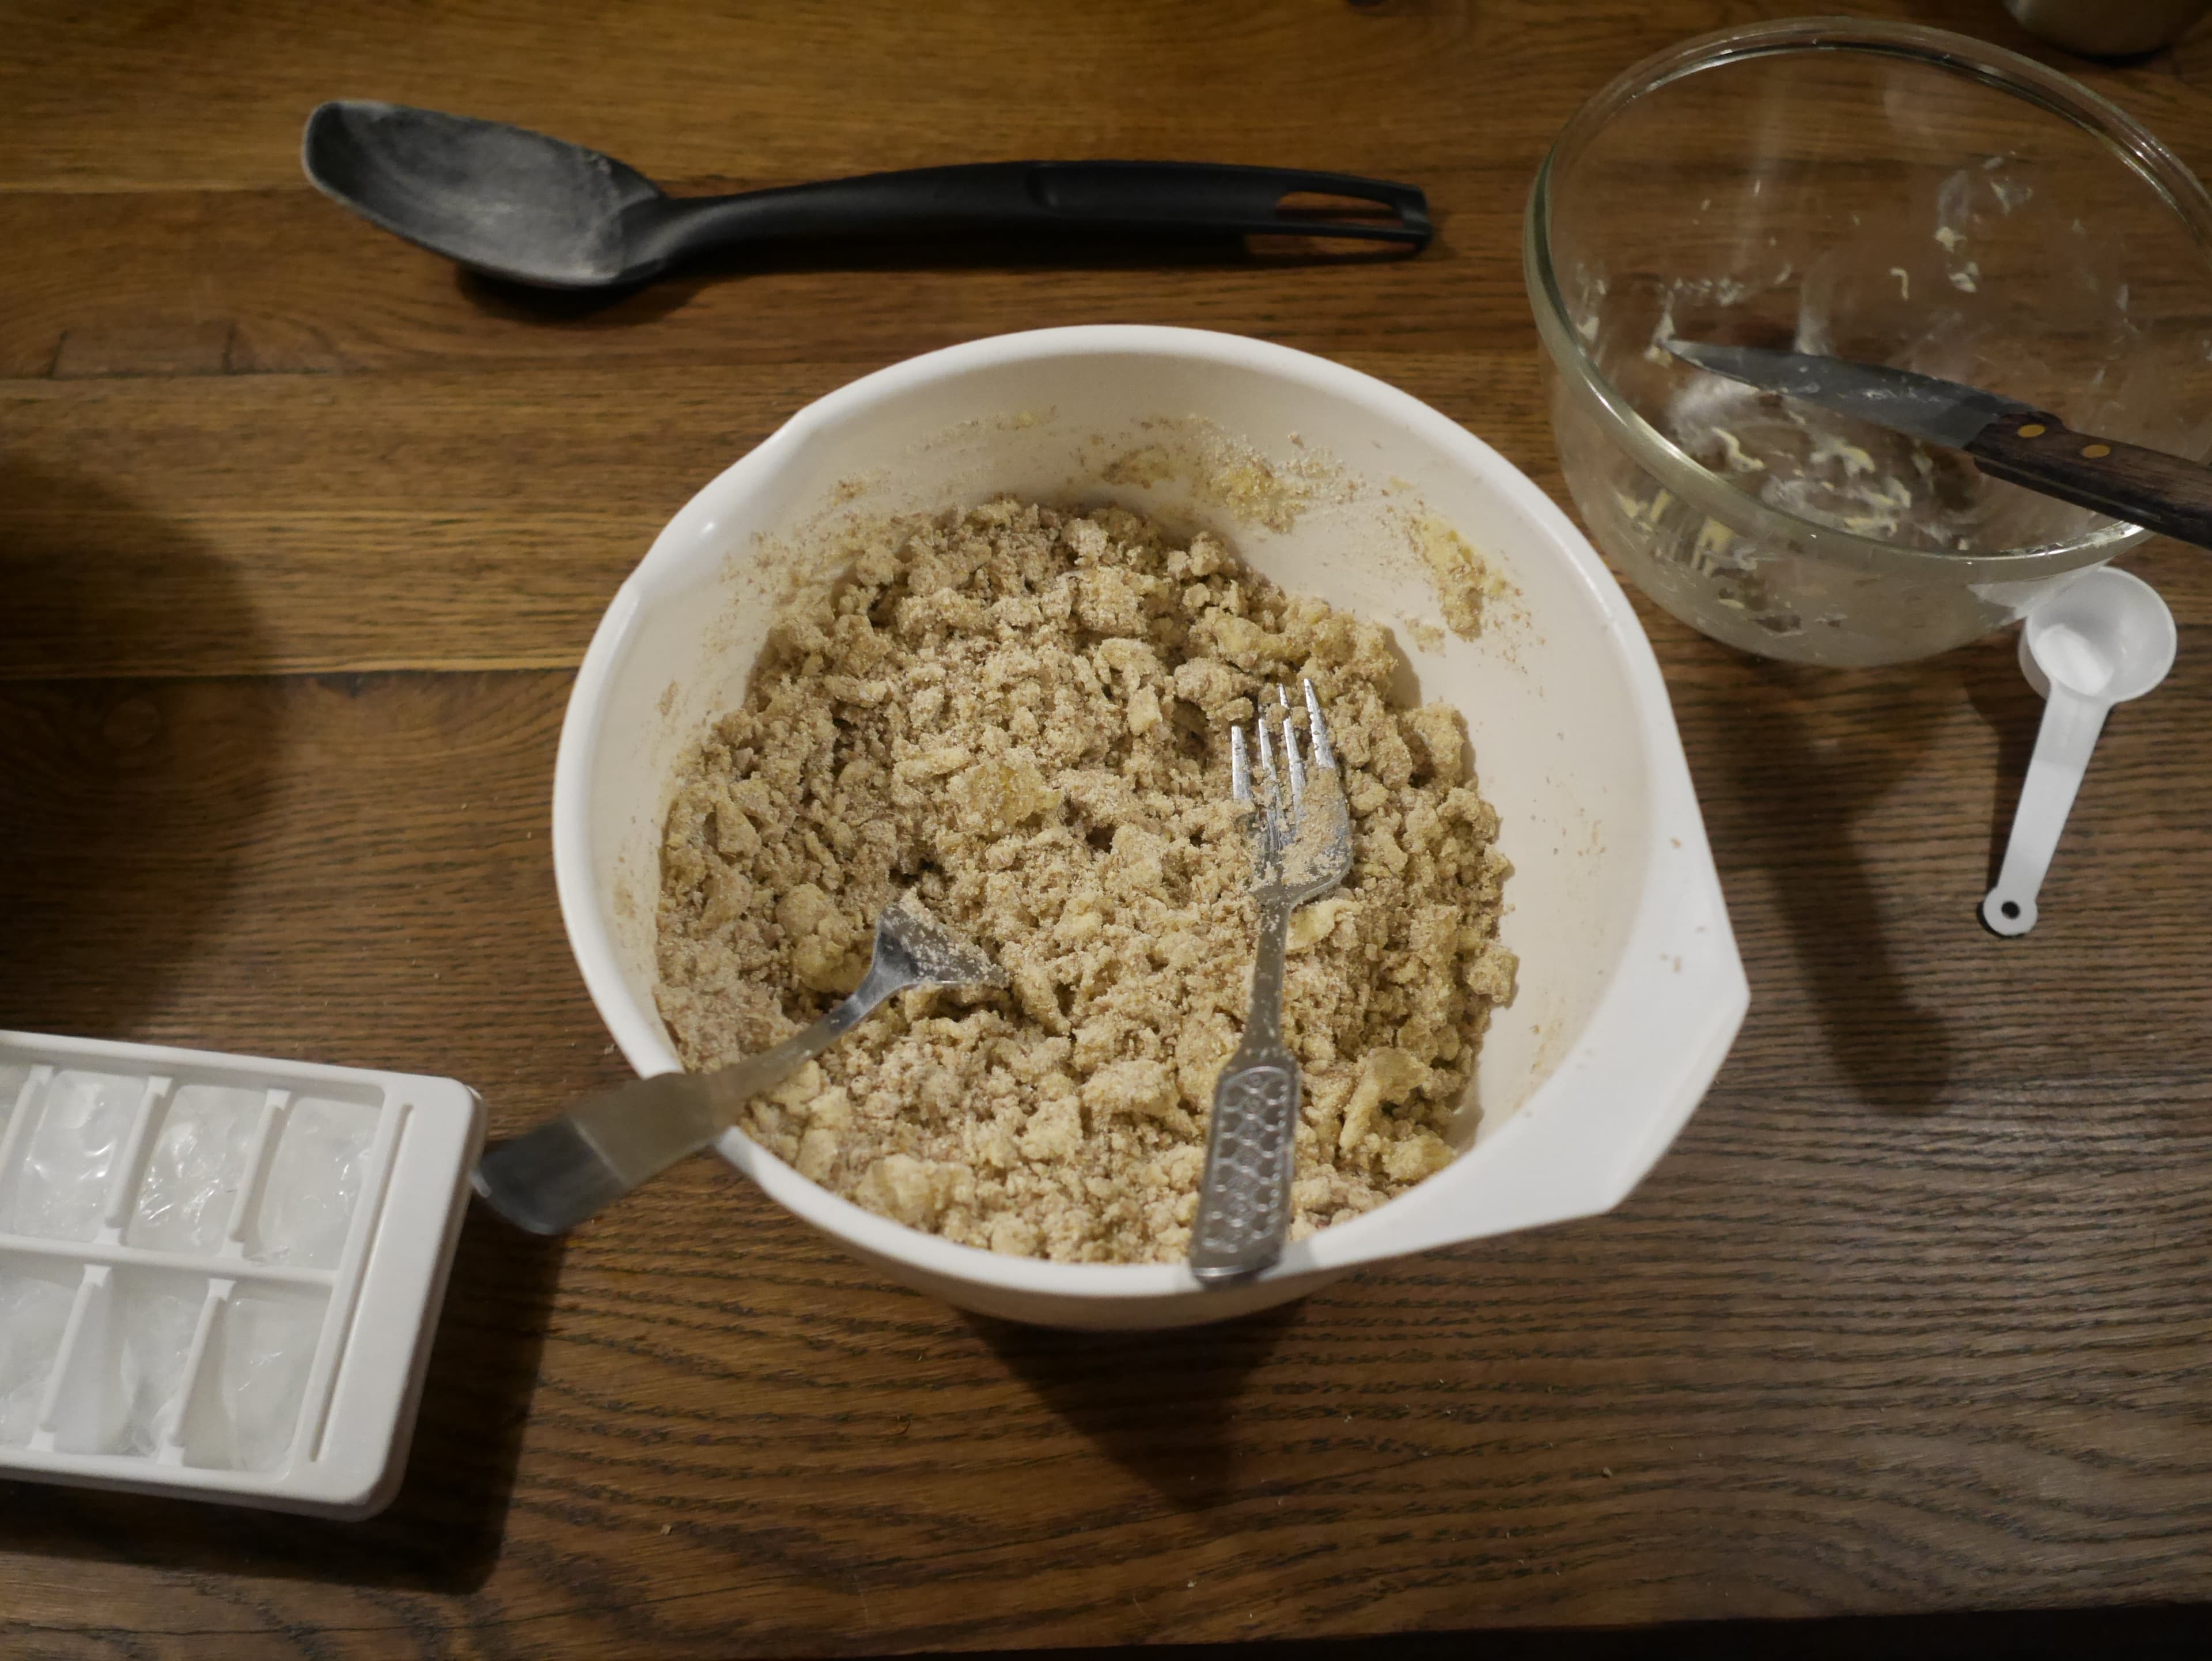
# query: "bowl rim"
1688,896
2059,95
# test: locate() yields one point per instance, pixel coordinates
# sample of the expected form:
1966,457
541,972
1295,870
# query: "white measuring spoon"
2103,639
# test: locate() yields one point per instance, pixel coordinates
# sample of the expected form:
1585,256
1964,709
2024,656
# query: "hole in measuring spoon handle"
2005,916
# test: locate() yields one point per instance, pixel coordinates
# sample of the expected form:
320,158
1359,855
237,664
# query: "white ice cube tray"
219,1274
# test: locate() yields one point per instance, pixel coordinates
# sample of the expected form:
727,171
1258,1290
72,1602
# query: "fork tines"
1281,816
1297,765
1280,827
1323,755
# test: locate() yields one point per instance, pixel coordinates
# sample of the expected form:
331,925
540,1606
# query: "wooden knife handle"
2149,488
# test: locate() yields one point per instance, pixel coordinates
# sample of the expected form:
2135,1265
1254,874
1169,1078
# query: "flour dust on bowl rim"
1330,483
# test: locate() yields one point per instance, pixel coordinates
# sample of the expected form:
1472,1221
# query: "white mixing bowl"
1630,990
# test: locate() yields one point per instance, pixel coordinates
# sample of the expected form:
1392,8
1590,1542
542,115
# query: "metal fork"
549,1179
1301,849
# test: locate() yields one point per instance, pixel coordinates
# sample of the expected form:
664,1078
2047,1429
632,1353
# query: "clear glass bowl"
1878,192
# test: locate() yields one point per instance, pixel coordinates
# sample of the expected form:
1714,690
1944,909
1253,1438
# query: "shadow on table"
1808,751
136,764
1158,1404
128,786
1066,251
443,1531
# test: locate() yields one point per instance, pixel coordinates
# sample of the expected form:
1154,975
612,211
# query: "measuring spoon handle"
2071,723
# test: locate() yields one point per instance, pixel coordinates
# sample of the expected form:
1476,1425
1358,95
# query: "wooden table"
302,536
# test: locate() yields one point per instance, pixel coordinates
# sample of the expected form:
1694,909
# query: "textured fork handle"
1251,1142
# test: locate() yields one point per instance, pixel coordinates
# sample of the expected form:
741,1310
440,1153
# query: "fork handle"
549,1179
1251,1140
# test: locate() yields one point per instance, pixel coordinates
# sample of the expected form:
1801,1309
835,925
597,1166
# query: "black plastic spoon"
517,204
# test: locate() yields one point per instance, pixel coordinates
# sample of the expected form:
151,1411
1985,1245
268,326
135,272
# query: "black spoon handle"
1197,196
2159,492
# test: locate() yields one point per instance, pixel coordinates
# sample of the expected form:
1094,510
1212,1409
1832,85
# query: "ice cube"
12,1080
157,1316
70,1154
308,1200
268,1345
195,1169
33,1311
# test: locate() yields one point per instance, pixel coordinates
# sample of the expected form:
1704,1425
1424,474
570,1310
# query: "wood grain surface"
301,537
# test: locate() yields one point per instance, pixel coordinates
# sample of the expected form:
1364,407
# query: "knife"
2012,442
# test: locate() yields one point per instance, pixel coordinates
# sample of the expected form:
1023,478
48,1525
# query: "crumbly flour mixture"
1022,718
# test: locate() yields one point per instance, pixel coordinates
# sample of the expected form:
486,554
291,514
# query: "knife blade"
2004,438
